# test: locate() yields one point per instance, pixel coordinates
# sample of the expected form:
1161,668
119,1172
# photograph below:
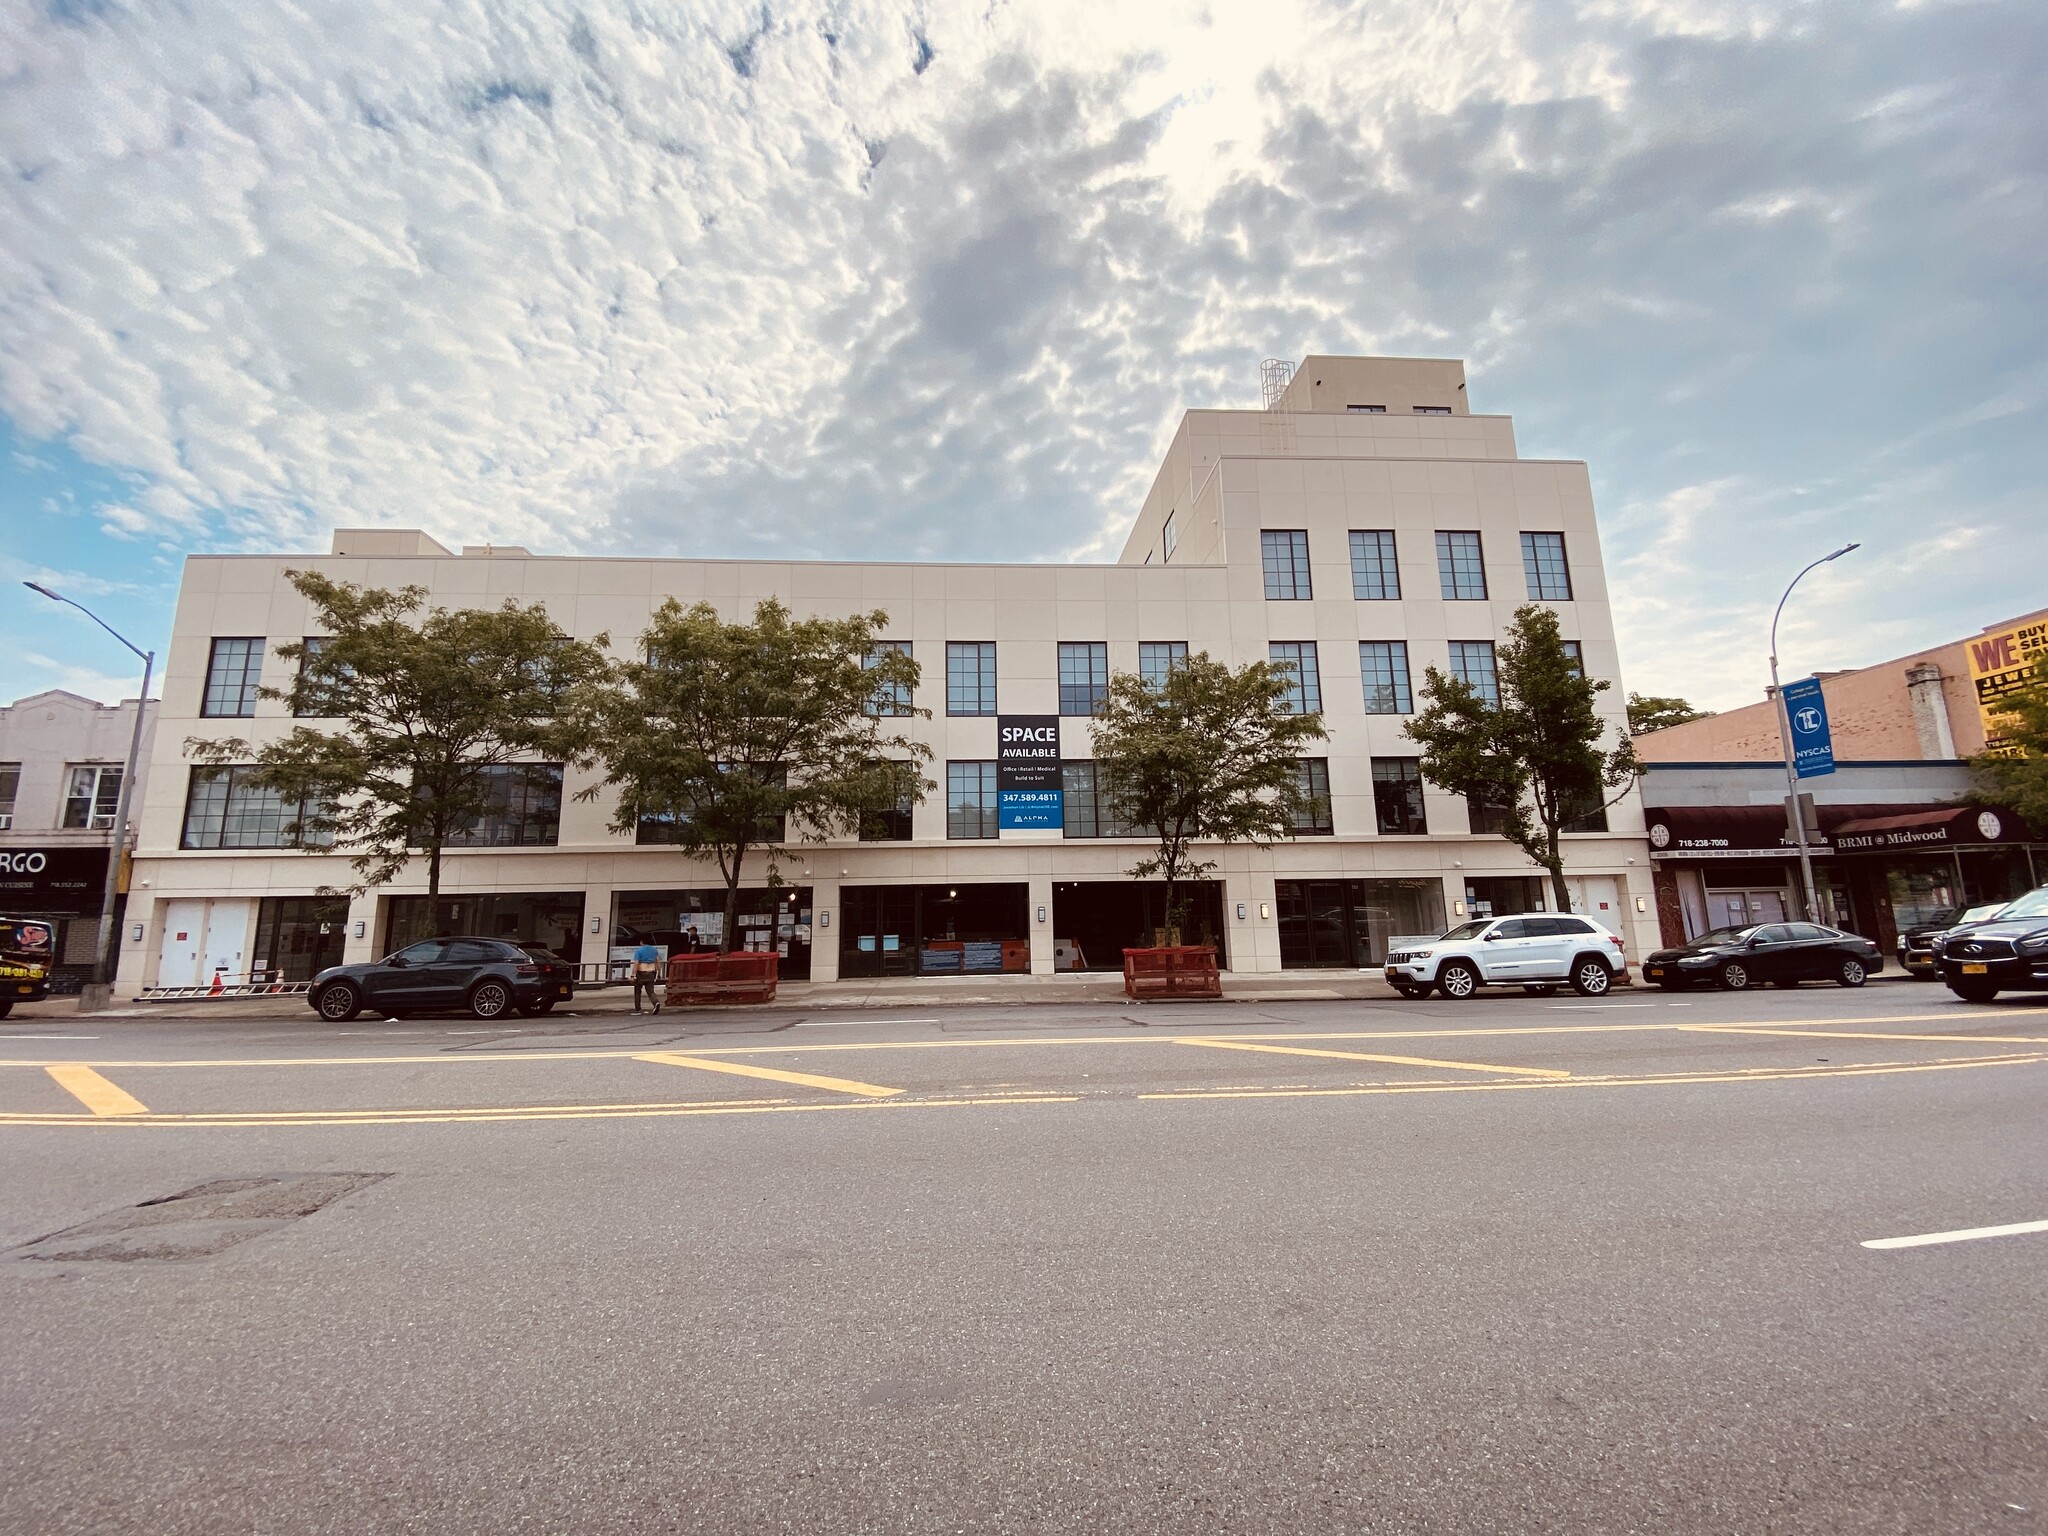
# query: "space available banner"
1029,796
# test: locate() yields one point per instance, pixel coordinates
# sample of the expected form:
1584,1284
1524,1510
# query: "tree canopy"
726,738
2018,775
1535,753
421,710
1652,712
1206,755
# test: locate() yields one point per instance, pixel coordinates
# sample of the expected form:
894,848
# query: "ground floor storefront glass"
1505,895
1095,921
297,937
1346,923
685,922
551,919
934,930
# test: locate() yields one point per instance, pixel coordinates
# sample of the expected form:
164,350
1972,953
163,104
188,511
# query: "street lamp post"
103,955
1812,900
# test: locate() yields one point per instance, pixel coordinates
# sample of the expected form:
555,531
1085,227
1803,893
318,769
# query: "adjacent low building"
61,761
1365,527
1901,835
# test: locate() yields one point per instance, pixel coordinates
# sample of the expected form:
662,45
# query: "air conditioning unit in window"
103,823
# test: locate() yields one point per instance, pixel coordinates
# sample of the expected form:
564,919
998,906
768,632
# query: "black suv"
488,977
2007,954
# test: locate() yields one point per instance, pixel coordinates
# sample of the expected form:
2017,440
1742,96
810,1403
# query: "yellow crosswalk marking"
772,1074
95,1092
1399,1061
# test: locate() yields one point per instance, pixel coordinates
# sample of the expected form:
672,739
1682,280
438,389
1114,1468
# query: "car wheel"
6,1006
1590,976
1851,973
490,999
1541,991
1457,981
338,1002
1734,977
1973,991
537,1007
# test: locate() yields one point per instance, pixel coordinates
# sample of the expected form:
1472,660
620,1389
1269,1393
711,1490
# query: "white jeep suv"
1536,951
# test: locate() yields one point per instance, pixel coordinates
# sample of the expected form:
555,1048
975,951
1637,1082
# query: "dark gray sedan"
1783,954
489,978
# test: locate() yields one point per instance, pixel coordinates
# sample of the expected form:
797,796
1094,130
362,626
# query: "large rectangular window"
667,827
1460,566
1169,540
234,670
1085,808
890,826
92,796
1576,653
970,800
1284,554
10,787
1472,663
1296,660
1375,577
1312,818
1156,658
224,809
891,699
526,808
1397,796
1084,676
970,677
309,706
1543,562
1383,667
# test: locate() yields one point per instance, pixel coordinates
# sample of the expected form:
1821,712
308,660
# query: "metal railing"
224,985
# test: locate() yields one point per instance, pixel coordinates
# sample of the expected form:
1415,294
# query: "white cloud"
934,280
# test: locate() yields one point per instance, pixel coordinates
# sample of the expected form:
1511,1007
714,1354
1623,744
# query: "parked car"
1783,954
1537,951
2007,954
1918,944
488,977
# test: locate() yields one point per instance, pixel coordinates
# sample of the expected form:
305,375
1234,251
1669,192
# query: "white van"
1537,951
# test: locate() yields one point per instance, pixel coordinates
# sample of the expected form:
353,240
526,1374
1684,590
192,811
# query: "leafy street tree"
2018,775
1536,753
1649,712
731,736
419,708
1210,755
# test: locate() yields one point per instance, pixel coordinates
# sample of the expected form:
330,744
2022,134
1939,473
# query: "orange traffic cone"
218,987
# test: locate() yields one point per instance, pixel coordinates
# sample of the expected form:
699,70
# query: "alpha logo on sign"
1029,796
1813,747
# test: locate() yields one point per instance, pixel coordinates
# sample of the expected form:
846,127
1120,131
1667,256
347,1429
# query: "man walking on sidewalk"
646,973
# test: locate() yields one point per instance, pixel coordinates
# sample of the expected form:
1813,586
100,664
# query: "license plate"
564,991
1656,970
24,991
1976,970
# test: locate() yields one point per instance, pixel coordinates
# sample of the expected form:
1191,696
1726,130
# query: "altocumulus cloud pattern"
933,281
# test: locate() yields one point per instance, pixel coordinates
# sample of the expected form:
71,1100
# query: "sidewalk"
895,993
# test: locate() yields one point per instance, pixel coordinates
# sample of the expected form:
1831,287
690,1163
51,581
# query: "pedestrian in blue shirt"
647,974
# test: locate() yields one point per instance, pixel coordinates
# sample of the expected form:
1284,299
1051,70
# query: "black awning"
1932,827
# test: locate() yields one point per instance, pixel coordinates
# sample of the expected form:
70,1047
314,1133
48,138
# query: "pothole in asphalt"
196,1223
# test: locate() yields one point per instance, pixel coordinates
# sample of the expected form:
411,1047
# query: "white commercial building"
61,760
1365,527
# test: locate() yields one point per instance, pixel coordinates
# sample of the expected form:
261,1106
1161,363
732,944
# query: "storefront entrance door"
1739,909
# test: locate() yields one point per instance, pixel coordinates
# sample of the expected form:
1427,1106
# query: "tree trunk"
1555,864
434,888
732,903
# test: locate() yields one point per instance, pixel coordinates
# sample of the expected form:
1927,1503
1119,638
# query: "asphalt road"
1510,1266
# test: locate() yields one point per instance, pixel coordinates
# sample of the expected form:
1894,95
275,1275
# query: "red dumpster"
744,976
1179,970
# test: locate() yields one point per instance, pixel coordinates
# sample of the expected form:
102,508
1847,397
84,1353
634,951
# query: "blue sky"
935,281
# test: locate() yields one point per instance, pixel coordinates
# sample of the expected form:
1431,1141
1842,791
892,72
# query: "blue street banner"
1029,793
1813,747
